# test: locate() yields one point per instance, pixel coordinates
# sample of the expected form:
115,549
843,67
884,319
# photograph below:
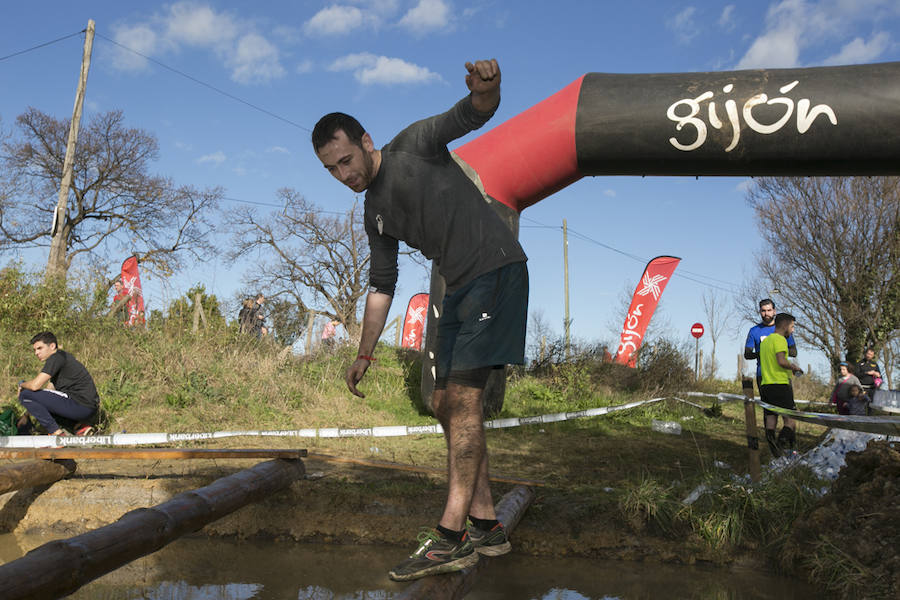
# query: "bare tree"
319,261
832,249
718,318
115,204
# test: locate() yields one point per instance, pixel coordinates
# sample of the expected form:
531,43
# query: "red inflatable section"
530,156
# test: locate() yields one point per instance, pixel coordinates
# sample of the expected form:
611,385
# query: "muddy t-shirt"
71,378
423,197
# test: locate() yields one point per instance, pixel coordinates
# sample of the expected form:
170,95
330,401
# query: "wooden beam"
58,568
453,586
149,453
752,431
34,473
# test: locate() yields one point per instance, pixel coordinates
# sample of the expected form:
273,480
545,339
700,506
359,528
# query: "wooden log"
452,586
149,453
752,434
34,473
58,568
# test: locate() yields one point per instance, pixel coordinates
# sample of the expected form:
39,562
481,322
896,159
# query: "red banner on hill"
643,303
414,323
131,281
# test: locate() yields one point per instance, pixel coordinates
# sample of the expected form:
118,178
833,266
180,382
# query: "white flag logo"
651,285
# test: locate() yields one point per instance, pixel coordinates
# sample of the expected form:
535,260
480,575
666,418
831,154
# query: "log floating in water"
150,453
452,586
31,474
58,568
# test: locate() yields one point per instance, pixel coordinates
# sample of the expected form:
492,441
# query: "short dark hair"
328,126
765,301
783,317
46,337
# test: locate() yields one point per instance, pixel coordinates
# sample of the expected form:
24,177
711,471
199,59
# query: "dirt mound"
854,531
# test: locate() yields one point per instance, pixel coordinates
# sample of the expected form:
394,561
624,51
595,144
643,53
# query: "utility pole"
566,271
56,262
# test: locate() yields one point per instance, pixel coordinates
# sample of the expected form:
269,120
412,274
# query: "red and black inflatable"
814,121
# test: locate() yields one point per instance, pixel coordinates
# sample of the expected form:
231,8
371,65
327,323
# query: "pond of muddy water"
216,569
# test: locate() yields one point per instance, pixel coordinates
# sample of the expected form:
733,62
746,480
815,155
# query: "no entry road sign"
697,330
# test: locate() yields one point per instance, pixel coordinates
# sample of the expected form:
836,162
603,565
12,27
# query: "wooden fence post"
752,437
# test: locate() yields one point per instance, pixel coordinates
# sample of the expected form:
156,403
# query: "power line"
684,273
281,206
204,84
42,45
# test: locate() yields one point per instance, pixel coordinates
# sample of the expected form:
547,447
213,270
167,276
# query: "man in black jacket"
418,193
867,370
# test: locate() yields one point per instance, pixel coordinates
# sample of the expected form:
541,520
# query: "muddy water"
204,569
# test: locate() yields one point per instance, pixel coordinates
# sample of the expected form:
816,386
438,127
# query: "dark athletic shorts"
483,323
777,394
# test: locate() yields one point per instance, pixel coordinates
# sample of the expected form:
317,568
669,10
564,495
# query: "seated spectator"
73,397
842,388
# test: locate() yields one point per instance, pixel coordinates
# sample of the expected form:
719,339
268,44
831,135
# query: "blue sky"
390,62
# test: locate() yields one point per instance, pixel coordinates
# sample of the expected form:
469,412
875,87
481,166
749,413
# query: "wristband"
368,358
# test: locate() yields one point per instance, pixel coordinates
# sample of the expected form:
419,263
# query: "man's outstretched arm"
483,80
374,318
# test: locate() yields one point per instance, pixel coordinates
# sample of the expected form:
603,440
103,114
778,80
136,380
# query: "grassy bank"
607,474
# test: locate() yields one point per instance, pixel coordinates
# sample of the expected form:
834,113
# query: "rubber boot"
773,444
787,438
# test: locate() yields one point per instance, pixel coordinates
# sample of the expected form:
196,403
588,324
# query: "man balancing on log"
73,397
417,193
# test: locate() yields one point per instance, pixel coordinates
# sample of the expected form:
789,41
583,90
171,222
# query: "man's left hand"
483,80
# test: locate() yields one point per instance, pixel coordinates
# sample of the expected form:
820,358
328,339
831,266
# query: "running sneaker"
489,543
435,554
83,429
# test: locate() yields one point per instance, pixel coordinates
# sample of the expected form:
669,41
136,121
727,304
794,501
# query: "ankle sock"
450,534
483,524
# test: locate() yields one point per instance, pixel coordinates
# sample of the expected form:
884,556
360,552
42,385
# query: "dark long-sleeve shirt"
421,196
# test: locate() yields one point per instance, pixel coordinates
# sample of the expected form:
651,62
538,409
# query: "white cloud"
427,15
335,20
861,51
609,193
775,49
183,145
139,38
199,25
278,149
726,19
744,186
795,26
217,158
370,69
251,57
304,66
255,60
683,25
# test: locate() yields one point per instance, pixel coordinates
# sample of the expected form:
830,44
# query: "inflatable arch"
790,122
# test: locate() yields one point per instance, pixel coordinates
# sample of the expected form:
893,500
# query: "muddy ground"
857,523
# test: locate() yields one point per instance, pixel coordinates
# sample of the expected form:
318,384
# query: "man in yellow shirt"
776,383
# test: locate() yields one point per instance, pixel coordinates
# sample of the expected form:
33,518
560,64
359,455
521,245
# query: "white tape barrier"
879,425
140,439
725,397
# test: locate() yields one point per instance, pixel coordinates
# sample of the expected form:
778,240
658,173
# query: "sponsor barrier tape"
140,439
882,425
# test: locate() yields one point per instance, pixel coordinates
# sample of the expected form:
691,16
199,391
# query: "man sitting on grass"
73,397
